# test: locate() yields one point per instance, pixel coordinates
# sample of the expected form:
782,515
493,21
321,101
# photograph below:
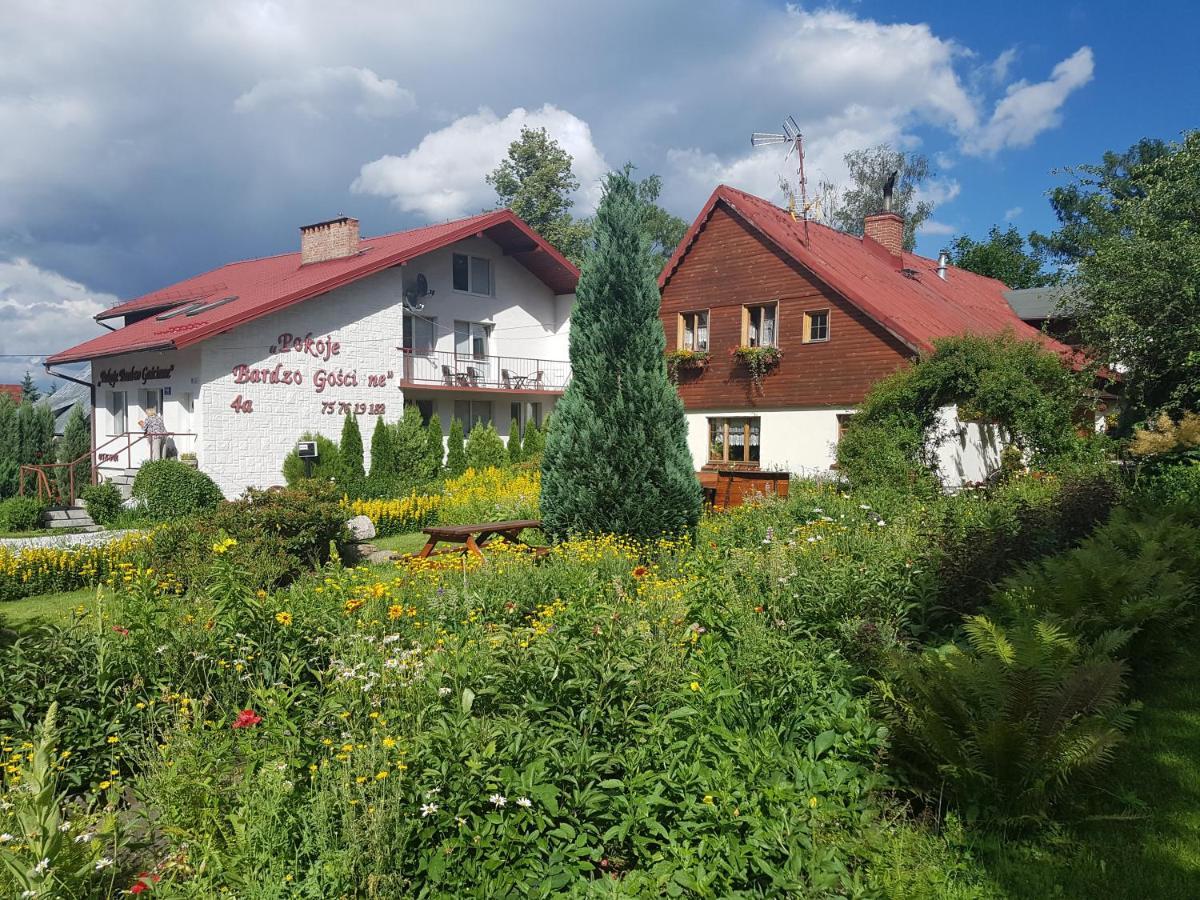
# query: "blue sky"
146,141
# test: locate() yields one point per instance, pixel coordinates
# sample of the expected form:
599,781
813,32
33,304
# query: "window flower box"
686,361
759,360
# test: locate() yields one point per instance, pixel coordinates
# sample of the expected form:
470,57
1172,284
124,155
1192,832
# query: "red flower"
144,882
246,718
121,630
640,572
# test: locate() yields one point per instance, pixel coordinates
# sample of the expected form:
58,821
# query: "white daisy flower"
498,800
428,809
103,863
525,802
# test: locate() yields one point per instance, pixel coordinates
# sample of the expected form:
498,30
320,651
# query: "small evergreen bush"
534,443
351,448
169,489
383,456
104,502
326,467
456,453
436,445
485,448
410,447
21,514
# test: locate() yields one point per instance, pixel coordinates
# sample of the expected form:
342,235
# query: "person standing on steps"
155,431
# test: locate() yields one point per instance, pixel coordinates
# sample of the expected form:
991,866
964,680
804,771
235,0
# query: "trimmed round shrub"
103,502
21,514
169,489
326,467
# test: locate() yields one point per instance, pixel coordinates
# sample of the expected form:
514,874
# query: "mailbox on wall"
307,450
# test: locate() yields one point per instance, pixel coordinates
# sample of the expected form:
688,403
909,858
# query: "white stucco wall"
804,442
136,374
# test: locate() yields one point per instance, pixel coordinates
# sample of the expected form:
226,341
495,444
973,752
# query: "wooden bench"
474,538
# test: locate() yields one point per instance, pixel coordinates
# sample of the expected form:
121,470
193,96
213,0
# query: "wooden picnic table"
474,537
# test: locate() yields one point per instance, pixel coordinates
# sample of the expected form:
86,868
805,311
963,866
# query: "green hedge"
169,489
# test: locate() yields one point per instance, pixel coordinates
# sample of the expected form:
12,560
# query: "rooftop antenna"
791,136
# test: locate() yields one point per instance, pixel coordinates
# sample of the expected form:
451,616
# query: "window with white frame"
118,411
472,274
471,339
420,334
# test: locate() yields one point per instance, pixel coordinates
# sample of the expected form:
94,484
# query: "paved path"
62,540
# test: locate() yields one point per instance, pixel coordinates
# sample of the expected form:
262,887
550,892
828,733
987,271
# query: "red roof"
916,306
13,390
262,286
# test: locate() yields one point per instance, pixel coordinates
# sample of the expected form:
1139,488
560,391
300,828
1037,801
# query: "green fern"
1006,724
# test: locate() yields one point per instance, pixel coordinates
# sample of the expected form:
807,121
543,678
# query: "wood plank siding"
730,266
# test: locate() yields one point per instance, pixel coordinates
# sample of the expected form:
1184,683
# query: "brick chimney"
887,230
334,239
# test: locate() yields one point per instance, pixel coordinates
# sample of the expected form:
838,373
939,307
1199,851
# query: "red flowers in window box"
247,718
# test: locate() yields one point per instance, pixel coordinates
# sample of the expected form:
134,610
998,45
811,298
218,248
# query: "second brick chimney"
334,239
887,230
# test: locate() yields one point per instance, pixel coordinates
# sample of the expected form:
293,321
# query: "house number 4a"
241,406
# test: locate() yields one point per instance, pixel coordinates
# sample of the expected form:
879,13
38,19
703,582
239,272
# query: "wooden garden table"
474,537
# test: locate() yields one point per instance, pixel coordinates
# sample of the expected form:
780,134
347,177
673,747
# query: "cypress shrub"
515,452
326,467
456,453
76,442
435,445
485,448
352,450
534,443
617,459
410,447
383,454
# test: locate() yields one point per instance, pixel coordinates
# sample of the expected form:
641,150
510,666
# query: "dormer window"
472,274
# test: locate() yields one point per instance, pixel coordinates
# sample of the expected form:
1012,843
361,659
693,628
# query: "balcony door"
471,350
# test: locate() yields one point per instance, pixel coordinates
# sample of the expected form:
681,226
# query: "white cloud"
939,191
443,176
1014,212
42,312
1029,109
934,227
1001,64
319,91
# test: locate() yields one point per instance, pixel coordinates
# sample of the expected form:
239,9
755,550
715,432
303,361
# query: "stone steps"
70,517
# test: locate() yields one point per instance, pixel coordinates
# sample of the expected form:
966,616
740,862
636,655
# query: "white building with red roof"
466,319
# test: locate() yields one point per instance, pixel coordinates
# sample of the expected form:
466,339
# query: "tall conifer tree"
617,458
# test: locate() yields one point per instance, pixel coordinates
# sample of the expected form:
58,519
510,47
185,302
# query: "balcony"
464,372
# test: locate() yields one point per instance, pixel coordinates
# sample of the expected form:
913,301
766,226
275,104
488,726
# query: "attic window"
177,311
205,307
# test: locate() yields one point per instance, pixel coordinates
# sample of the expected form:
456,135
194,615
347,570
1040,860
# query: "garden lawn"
401,543
1156,854
54,608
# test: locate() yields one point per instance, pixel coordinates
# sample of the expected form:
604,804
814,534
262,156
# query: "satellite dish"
422,286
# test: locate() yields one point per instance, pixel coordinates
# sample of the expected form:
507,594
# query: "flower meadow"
688,717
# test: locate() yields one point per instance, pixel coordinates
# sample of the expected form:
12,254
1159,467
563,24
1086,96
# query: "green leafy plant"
436,445
1008,724
21,514
169,489
103,501
759,360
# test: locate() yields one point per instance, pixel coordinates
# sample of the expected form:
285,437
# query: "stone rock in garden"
378,557
362,528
